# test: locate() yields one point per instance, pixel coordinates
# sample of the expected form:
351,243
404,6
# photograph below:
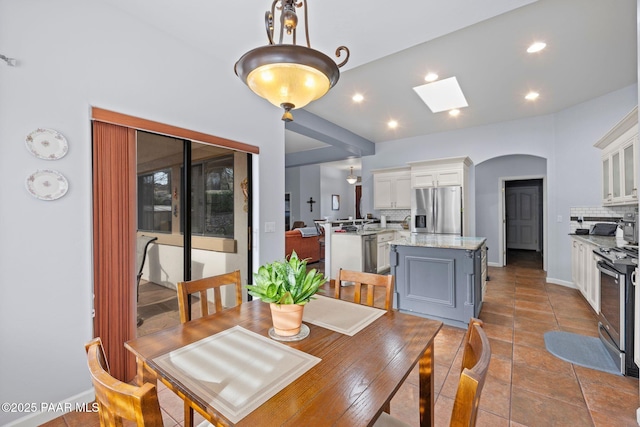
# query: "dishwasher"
370,253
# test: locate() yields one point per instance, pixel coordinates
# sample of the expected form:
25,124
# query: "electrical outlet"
559,219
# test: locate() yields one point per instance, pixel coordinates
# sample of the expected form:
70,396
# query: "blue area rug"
580,350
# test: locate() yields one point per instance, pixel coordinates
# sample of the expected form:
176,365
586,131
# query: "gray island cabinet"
439,276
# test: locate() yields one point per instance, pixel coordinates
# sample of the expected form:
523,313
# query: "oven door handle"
602,266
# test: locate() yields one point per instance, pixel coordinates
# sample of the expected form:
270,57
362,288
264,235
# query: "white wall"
74,54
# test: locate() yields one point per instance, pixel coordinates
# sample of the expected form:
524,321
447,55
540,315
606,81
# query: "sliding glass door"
190,199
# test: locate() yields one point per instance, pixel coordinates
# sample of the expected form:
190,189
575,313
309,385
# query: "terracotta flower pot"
287,318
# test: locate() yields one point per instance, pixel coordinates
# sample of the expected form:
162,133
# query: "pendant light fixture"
285,74
352,179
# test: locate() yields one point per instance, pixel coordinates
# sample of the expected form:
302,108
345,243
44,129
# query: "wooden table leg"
427,388
144,374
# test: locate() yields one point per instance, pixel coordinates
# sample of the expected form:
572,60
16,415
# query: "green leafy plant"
286,282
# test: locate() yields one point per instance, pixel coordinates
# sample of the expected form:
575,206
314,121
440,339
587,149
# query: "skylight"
442,95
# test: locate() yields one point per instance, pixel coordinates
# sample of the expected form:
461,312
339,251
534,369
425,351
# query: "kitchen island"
439,276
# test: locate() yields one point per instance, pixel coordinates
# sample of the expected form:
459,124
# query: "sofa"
306,247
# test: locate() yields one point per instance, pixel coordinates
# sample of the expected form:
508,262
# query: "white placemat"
341,316
236,370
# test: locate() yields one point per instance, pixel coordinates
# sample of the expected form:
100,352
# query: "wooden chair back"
475,365
118,401
371,281
201,286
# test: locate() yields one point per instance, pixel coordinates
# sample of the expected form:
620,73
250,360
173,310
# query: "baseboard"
561,282
638,416
78,402
494,264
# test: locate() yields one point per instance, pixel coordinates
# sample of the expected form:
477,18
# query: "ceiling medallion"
285,74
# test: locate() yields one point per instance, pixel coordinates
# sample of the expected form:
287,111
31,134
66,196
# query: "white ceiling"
591,50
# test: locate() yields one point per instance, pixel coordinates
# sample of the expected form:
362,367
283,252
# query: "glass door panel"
605,179
159,159
615,177
629,178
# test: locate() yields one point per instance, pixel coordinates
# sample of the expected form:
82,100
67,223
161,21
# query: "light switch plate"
269,227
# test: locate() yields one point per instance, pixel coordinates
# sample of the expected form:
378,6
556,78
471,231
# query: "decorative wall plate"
47,144
47,185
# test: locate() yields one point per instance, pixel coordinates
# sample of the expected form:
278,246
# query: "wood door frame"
502,232
118,356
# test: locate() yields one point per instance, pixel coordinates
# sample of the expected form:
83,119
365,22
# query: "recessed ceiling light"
454,112
358,97
442,95
531,96
392,124
536,47
431,77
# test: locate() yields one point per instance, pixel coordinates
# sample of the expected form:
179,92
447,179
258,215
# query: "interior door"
522,218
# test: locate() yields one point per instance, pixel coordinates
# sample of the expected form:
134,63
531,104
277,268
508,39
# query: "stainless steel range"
616,317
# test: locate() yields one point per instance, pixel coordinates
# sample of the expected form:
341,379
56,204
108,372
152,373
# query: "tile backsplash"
593,214
395,215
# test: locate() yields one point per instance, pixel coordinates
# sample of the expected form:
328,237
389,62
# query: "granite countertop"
600,241
440,241
370,231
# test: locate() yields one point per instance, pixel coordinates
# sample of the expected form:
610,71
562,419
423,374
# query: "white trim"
495,264
38,418
561,282
502,235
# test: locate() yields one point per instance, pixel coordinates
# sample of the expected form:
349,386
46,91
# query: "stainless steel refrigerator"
437,210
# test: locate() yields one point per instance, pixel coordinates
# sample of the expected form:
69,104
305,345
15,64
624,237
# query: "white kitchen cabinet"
584,271
443,173
440,172
403,234
383,249
392,188
619,162
422,179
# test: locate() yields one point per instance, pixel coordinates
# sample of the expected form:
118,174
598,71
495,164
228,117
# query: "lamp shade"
352,179
287,74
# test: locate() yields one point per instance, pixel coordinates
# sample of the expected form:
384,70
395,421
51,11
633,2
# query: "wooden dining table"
354,381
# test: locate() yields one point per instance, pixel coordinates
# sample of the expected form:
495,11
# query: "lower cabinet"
383,250
584,271
441,283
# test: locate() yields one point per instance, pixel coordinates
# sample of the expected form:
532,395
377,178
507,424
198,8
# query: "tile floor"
527,386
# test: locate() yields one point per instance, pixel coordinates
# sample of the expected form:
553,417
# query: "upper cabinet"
392,188
619,162
440,173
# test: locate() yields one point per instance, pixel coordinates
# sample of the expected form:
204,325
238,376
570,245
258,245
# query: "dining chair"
371,280
476,356
118,401
201,286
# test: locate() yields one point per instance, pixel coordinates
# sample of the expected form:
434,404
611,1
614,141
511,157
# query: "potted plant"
287,287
